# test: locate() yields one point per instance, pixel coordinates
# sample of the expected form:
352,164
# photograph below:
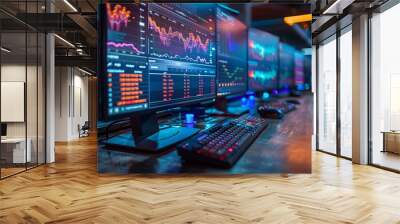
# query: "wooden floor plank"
71,191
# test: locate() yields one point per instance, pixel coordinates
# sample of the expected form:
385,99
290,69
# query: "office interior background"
39,108
49,103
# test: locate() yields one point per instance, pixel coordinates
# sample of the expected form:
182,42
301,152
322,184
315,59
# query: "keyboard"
224,143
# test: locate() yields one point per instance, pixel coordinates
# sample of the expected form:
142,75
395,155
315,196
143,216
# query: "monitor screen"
158,56
299,77
286,66
263,60
231,53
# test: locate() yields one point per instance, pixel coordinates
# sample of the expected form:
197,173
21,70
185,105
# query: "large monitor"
156,56
299,76
263,60
286,66
231,54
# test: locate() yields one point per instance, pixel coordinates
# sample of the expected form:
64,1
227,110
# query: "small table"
13,150
391,141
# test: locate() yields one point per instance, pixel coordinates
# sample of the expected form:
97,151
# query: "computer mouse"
270,112
293,101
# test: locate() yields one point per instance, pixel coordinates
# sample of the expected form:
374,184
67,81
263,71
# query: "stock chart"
232,54
263,60
181,52
126,58
286,66
158,55
178,36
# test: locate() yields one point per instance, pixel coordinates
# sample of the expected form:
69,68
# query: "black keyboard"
224,143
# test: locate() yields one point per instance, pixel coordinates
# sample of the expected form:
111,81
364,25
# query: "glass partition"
14,144
346,93
22,78
327,96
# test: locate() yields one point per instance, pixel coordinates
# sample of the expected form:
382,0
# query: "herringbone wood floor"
71,191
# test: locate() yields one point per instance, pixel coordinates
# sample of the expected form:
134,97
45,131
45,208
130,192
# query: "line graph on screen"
175,37
191,42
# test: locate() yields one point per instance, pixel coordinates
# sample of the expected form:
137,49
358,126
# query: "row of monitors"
159,55
251,59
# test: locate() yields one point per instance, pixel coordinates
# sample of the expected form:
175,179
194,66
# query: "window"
346,93
385,89
327,96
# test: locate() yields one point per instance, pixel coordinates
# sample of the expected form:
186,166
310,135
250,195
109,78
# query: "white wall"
16,73
71,102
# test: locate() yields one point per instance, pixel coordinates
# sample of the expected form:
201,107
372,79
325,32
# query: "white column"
50,98
314,92
360,90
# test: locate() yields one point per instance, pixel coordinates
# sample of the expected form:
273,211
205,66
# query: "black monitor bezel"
102,75
231,95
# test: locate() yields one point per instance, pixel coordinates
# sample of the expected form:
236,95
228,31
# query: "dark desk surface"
284,147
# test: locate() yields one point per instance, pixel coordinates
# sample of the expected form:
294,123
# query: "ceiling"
76,23
330,15
269,17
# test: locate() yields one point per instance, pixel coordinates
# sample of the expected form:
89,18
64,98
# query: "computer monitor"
153,57
3,129
286,67
307,72
156,56
263,61
299,75
231,54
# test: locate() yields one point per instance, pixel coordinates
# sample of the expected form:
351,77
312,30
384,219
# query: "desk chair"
84,130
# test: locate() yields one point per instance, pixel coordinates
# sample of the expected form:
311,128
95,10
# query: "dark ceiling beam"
49,22
304,34
79,61
267,22
16,18
86,27
91,5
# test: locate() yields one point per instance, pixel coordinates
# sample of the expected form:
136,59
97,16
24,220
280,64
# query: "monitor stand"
147,136
223,109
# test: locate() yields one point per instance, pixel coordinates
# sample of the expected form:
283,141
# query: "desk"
13,150
284,147
391,141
